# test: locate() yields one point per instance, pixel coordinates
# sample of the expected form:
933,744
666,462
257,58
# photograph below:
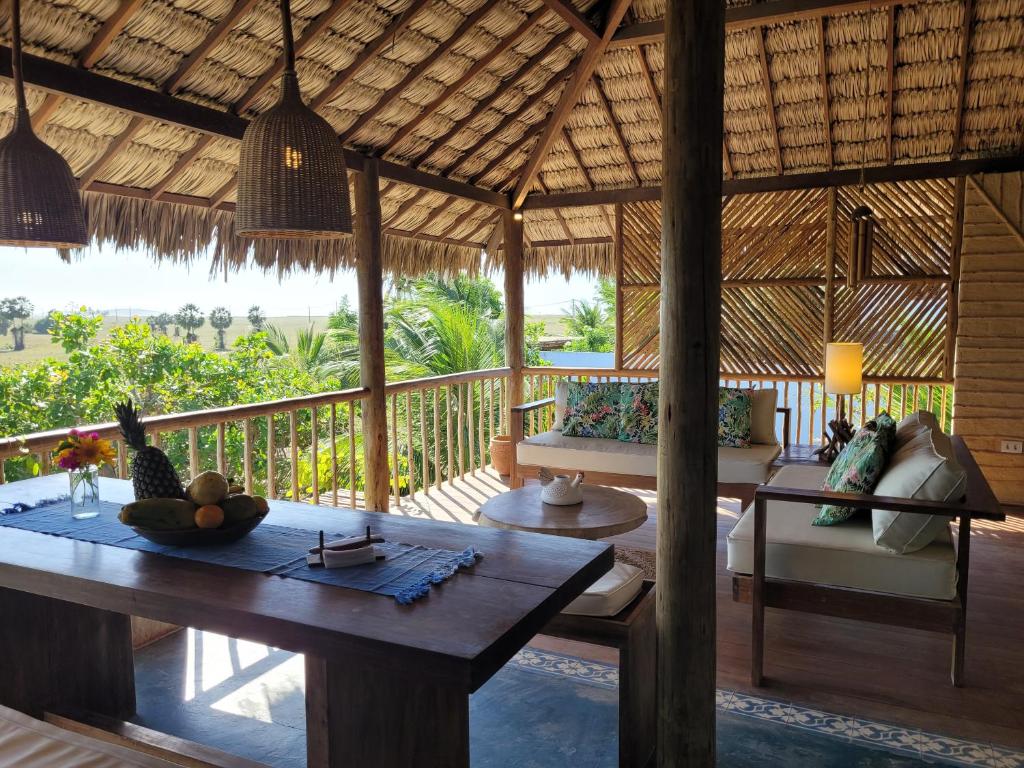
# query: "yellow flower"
97,452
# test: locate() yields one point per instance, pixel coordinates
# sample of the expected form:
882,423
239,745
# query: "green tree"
74,331
257,318
191,319
220,319
43,324
160,322
15,311
344,317
592,329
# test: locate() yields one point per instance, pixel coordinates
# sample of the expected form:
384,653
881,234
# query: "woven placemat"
643,559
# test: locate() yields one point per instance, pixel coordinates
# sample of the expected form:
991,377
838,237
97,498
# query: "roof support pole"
691,276
512,227
369,273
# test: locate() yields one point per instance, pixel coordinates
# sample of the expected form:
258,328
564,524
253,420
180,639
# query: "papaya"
160,514
239,507
208,488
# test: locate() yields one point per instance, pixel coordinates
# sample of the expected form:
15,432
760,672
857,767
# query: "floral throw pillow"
858,467
638,413
733,418
592,410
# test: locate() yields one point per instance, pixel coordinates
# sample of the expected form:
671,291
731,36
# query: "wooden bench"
632,631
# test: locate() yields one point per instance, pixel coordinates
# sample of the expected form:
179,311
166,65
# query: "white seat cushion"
29,743
842,555
595,454
609,594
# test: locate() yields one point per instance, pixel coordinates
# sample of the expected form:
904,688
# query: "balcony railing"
439,430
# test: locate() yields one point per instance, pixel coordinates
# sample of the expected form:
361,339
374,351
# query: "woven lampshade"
292,179
40,206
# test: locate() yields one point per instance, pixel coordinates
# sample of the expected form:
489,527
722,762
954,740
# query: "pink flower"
94,436
73,432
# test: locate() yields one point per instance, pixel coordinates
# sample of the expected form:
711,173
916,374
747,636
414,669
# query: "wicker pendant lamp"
40,206
292,179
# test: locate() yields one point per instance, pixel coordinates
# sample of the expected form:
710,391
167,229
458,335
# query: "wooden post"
953,288
371,336
618,286
691,276
514,320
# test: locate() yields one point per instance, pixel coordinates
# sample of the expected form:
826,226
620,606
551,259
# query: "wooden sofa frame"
947,616
742,491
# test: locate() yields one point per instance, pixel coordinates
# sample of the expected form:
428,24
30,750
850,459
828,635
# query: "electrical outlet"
1012,446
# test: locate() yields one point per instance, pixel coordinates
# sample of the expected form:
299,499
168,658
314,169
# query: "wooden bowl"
198,537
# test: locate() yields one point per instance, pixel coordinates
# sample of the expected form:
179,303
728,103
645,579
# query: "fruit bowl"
197,537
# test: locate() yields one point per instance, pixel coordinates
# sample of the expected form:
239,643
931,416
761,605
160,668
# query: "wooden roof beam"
766,80
404,207
483,105
570,97
572,16
370,51
416,72
214,38
460,221
183,161
965,57
310,34
432,218
726,160
46,110
57,78
755,15
616,128
479,66
115,146
890,74
648,77
577,157
510,151
823,79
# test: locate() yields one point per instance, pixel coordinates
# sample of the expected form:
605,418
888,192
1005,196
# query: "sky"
104,279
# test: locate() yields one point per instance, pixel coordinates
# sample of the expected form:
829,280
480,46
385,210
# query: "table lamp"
843,376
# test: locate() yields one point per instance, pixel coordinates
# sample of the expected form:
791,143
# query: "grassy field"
40,346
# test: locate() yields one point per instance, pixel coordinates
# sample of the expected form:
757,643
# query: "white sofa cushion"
609,594
923,467
29,743
912,423
762,415
843,555
594,454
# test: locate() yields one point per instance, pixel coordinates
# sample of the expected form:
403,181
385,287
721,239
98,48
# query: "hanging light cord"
289,42
19,80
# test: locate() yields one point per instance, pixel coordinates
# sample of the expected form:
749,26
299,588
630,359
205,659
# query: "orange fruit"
210,516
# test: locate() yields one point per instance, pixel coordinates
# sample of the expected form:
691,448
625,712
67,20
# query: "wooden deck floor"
846,667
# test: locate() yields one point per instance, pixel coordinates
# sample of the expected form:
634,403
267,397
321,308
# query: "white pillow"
922,468
762,415
909,425
609,594
561,403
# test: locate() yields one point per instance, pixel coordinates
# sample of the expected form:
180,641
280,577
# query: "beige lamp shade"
844,363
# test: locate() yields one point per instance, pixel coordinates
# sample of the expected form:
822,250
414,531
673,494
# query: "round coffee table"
603,512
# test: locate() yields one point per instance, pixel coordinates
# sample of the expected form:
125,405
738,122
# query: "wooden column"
953,288
366,223
830,273
691,276
618,286
514,312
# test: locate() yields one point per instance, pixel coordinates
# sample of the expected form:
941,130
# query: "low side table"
604,512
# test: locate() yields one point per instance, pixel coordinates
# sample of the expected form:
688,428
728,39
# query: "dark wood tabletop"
464,631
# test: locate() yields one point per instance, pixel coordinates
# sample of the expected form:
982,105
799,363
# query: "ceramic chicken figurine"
560,489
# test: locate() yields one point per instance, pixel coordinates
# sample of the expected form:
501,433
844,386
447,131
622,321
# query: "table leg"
58,656
357,715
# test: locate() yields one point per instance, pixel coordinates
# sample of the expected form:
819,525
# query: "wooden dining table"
387,685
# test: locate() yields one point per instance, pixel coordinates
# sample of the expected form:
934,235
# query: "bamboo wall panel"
776,291
989,374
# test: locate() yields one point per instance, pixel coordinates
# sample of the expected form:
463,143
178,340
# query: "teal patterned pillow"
858,467
592,410
638,413
733,418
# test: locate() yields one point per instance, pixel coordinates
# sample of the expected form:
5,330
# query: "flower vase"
85,492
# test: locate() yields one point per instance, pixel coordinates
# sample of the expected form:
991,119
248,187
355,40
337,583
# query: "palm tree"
590,325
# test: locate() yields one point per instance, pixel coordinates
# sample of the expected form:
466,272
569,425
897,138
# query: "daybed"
914,576
634,465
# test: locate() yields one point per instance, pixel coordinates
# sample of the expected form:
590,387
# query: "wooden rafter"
565,226
460,221
479,66
567,140
416,72
823,79
111,28
434,215
115,146
370,51
310,34
890,73
754,15
46,110
531,102
571,15
766,80
183,161
965,57
570,96
726,160
510,151
645,71
404,207
214,38
482,106
613,123
218,197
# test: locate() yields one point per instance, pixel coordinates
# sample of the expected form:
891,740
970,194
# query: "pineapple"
153,475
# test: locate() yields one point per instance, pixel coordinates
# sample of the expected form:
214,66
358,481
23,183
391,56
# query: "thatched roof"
464,89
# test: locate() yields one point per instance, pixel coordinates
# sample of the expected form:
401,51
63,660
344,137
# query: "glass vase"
85,492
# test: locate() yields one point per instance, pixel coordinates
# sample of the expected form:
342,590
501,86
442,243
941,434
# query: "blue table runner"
406,573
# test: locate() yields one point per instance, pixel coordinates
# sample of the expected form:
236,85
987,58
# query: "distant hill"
125,313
